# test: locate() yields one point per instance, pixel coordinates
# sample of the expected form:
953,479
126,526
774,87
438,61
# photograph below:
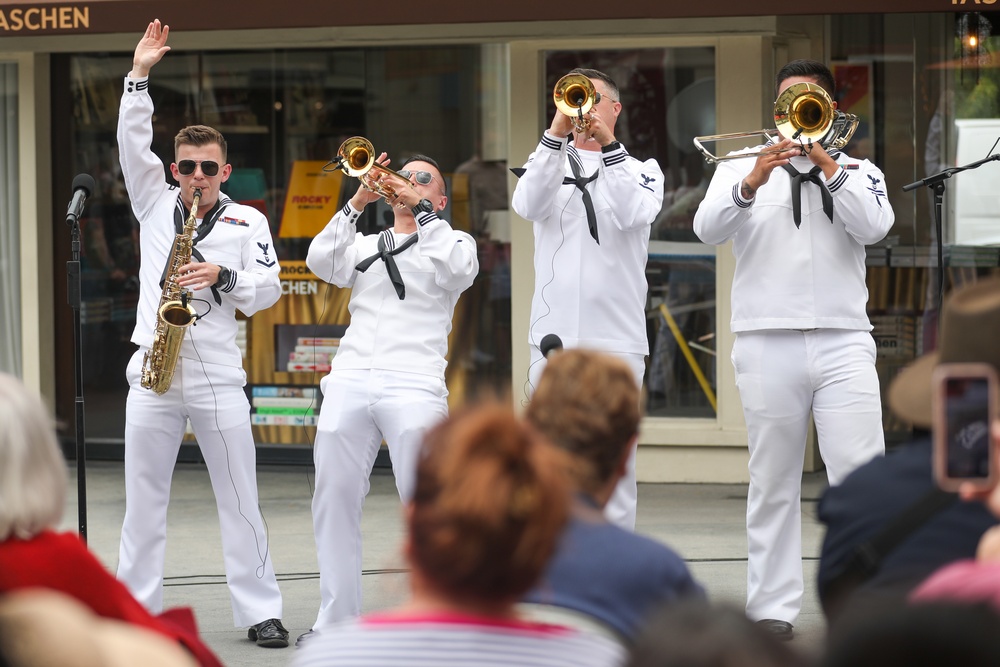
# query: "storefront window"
284,115
10,233
668,97
926,86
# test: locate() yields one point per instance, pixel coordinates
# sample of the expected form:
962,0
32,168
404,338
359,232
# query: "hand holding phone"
964,402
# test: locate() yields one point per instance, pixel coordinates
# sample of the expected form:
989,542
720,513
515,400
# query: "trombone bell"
575,96
803,112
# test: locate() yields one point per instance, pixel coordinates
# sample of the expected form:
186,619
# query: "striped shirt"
444,640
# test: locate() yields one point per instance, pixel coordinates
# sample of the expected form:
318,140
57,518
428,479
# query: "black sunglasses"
208,167
423,177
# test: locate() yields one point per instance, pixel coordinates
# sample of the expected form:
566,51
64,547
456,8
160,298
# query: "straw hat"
970,332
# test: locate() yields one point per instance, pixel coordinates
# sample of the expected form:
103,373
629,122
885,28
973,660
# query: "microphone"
334,164
83,185
550,343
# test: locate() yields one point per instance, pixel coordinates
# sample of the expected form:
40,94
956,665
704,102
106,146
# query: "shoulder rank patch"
234,221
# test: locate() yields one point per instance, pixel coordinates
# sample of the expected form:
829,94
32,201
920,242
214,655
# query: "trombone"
575,95
803,112
356,157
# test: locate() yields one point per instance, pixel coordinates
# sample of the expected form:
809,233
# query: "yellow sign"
311,200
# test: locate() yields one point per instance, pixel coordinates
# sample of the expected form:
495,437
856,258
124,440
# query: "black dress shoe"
269,634
781,630
305,637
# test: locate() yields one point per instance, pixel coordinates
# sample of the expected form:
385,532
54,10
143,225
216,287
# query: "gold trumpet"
803,112
575,96
356,157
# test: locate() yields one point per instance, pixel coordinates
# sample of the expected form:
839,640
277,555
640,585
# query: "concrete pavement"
703,522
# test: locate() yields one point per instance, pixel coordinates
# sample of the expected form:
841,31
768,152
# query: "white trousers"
360,408
621,507
212,397
783,376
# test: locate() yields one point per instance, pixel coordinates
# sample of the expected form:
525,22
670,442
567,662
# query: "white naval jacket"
808,277
589,294
386,332
240,239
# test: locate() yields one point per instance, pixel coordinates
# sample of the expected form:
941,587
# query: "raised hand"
150,49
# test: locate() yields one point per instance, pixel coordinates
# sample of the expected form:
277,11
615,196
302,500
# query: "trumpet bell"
358,156
574,95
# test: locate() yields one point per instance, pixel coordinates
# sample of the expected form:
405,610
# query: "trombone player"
799,216
387,378
592,206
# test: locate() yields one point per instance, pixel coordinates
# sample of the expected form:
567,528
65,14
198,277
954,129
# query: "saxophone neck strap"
207,223
204,229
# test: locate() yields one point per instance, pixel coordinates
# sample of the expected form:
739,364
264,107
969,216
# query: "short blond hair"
33,474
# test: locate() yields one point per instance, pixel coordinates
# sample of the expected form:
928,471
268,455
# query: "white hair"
33,474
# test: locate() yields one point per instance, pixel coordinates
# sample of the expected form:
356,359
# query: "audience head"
970,321
922,635
587,403
695,633
489,506
33,475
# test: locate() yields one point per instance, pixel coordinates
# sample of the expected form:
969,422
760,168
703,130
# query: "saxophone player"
232,266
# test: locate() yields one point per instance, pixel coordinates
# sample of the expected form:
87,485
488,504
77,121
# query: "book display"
902,284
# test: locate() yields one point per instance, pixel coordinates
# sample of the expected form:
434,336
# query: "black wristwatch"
225,275
613,146
423,206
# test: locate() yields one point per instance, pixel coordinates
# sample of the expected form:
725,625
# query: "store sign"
297,278
51,18
44,17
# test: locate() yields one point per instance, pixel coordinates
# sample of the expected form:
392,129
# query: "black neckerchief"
386,241
812,176
204,229
581,181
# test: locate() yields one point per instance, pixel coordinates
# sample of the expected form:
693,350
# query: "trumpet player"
799,218
387,379
232,266
592,206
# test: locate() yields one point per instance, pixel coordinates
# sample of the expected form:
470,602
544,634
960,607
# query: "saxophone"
174,315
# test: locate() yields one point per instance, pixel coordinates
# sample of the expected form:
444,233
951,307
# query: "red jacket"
62,562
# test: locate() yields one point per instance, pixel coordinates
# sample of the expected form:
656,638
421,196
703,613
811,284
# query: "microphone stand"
936,182
74,296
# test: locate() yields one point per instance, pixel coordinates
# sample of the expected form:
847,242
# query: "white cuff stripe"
424,218
738,199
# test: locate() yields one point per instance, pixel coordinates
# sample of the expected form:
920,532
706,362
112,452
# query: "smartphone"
964,403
